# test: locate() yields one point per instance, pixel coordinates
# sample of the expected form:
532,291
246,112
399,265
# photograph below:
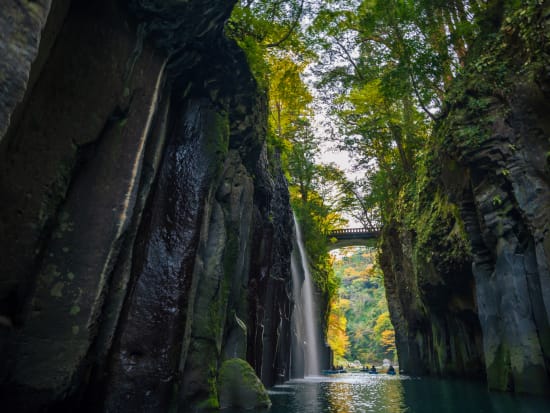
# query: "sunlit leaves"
337,336
270,23
363,303
387,339
271,33
385,67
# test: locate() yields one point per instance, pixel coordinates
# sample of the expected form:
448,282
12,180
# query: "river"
365,393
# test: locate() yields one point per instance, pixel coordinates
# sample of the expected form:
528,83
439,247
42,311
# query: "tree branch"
291,28
417,94
350,59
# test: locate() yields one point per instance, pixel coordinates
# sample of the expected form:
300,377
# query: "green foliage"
385,67
362,304
270,33
526,22
390,63
314,223
517,49
423,209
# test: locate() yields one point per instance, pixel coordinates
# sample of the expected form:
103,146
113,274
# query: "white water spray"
309,308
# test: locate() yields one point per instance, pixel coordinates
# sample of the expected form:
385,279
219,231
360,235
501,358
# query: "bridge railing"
345,231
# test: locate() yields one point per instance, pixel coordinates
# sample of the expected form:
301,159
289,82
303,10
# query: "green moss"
50,274
499,370
64,225
217,135
122,123
57,289
239,386
501,60
212,401
425,210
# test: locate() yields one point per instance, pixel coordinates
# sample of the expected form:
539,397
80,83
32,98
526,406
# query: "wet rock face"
504,195
143,232
432,307
505,207
145,359
494,168
23,23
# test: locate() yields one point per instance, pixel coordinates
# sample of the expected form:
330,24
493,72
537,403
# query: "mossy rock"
240,387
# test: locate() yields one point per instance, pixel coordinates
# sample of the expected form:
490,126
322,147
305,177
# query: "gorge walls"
504,194
146,234
467,272
431,293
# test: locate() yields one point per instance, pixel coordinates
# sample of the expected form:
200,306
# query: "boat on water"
371,370
333,371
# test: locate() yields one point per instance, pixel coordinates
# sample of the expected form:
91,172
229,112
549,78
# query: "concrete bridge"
352,237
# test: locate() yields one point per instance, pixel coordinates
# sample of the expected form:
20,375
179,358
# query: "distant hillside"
359,323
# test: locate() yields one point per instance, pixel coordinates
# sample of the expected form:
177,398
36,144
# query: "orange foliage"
388,340
338,339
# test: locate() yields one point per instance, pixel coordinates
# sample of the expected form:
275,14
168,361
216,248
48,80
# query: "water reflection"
378,393
454,396
364,393
339,395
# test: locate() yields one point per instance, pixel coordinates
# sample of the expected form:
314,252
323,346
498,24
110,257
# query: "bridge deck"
354,232
351,236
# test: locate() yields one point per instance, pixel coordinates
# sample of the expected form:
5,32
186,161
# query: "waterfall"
306,311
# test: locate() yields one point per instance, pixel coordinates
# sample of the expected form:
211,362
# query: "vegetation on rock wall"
496,131
147,235
123,234
430,97
272,36
438,101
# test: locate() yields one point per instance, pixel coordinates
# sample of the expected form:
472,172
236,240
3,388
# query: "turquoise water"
361,392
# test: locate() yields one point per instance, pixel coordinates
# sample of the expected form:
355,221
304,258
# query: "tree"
361,289
270,32
337,336
389,63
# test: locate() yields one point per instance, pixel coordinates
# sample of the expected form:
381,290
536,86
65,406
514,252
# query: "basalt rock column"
144,225
466,271
71,172
504,193
506,218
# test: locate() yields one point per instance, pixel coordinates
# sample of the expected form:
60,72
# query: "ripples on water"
365,393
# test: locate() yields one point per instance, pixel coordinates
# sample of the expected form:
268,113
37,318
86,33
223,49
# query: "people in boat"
391,370
373,369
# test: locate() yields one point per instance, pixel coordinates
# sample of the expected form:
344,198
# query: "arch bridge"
348,237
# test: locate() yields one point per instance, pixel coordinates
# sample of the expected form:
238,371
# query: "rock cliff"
145,233
430,291
467,273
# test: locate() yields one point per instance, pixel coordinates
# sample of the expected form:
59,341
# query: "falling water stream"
305,298
358,392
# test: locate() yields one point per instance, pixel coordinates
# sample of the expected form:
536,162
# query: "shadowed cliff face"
431,302
486,304
503,196
504,204
146,236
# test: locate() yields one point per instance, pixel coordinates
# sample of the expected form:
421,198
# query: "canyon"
147,231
